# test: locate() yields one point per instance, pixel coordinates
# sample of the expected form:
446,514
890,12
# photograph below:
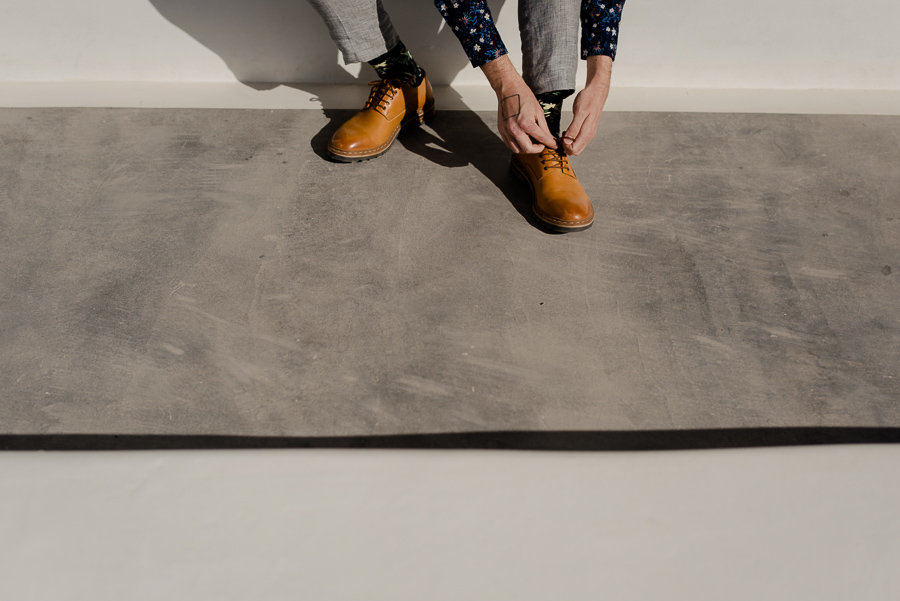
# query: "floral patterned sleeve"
472,23
600,27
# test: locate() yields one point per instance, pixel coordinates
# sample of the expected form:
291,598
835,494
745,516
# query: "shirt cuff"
600,27
473,25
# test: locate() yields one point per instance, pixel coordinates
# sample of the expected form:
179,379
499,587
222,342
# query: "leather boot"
370,132
558,198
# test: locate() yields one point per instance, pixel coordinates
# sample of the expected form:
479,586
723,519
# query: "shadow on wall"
271,42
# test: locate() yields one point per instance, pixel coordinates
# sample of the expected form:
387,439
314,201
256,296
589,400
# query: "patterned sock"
552,102
398,63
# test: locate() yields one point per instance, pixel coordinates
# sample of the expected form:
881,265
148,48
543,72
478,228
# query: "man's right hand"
520,118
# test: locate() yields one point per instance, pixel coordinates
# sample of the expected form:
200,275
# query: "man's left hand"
588,105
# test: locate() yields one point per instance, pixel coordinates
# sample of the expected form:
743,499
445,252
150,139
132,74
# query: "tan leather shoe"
559,200
370,132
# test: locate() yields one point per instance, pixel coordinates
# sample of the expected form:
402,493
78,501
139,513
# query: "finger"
575,127
506,134
512,136
521,143
510,143
577,147
527,145
571,136
586,133
579,144
541,135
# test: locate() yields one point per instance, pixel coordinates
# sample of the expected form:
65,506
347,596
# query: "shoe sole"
557,228
355,157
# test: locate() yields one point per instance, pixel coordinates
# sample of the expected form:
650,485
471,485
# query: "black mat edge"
646,440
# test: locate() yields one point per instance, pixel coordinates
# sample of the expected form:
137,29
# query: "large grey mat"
207,272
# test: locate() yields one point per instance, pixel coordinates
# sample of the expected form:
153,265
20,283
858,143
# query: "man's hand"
520,118
588,105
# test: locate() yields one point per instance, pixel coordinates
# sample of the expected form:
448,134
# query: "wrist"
501,75
599,70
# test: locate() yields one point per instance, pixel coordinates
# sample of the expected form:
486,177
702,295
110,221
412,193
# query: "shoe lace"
555,158
382,93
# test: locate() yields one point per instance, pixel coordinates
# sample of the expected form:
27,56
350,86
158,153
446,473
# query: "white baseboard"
473,97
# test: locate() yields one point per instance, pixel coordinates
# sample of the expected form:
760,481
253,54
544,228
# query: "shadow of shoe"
319,141
459,138
425,142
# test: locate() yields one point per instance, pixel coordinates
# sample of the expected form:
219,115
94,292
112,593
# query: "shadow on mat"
451,139
648,440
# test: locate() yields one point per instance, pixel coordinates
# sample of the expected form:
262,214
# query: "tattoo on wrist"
510,107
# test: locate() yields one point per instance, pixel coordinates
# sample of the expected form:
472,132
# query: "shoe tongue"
555,154
388,83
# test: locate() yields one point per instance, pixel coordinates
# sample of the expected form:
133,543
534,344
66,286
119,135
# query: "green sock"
397,63
552,102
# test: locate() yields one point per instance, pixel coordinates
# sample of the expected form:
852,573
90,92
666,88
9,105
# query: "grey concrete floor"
208,272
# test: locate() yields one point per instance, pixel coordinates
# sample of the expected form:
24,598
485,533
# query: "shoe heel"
426,114
421,117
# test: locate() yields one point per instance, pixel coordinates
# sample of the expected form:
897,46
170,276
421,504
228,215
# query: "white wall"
701,44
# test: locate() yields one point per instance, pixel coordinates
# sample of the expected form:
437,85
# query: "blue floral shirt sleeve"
600,27
473,24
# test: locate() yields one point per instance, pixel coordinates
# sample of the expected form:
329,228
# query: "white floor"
816,523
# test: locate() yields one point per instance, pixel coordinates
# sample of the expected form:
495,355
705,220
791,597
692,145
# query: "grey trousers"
549,30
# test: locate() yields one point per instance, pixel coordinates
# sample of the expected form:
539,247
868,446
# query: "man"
529,105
